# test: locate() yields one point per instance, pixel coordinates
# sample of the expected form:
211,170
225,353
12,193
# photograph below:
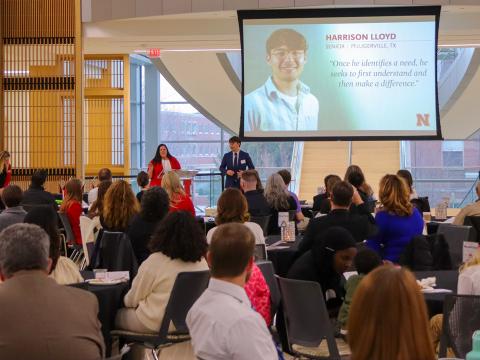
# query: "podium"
186,176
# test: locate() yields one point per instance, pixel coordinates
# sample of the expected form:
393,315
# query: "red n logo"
423,120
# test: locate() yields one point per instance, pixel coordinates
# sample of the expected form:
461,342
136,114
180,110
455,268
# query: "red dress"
158,168
259,294
184,203
74,211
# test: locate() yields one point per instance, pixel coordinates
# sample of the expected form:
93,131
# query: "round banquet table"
446,279
282,255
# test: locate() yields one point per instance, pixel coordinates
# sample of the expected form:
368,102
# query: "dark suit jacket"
38,196
257,204
139,233
42,320
361,226
243,162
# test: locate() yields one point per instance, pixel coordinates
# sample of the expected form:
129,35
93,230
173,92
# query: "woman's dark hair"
179,236
157,158
155,204
407,176
97,206
356,179
46,218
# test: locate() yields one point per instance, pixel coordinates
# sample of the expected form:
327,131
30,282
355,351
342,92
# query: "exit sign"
154,53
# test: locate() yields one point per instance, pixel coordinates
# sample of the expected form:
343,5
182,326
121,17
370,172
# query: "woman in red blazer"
5,169
161,163
72,206
179,200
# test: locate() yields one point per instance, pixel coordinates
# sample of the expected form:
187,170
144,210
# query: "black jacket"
139,233
38,196
257,204
321,203
361,225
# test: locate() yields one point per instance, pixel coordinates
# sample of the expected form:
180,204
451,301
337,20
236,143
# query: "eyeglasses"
282,54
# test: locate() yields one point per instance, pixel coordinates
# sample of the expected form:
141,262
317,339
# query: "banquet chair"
456,235
115,253
473,221
309,331
262,221
461,318
77,254
266,267
87,228
260,252
186,290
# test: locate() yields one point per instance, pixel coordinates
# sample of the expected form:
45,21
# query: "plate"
104,282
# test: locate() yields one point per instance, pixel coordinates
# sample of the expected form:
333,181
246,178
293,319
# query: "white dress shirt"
254,227
223,325
267,109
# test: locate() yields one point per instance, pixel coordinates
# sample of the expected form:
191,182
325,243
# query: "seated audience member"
257,204
222,323
97,207
365,261
361,226
63,270
388,318
104,174
279,200
468,284
177,245
321,202
354,175
119,207
398,221
259,181
153,209
287,178
41,319
14,213
36,194
179,200
142,181
72,207
472,209
331,255
232,207
407,177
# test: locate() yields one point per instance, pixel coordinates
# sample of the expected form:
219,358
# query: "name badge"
243,161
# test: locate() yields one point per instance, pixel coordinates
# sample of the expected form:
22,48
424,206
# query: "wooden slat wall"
41,55
376,158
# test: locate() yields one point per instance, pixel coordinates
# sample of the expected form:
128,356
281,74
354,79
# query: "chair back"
456,235
266,267
116,253
461,318
260,252
262,221
69,236
306,316
186,290
473,221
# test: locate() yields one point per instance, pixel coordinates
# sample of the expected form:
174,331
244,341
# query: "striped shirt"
267,109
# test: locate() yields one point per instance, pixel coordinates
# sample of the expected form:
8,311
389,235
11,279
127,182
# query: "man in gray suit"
40,319
14,213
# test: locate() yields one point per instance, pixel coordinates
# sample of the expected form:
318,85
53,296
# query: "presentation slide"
339,77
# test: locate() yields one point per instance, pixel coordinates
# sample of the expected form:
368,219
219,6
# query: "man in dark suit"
257,204
36,194
40,319
360,223
234,163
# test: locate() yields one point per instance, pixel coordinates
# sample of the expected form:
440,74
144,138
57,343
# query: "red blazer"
74,211
158,168
182,203
8,177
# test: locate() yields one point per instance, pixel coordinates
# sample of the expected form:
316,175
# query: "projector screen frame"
294,13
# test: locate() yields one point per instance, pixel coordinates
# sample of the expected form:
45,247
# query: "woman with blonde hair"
397,221
388,318
5,172
179,200
279,200
119,207
468,284
72,207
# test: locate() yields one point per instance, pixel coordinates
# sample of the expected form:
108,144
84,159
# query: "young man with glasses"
283,103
